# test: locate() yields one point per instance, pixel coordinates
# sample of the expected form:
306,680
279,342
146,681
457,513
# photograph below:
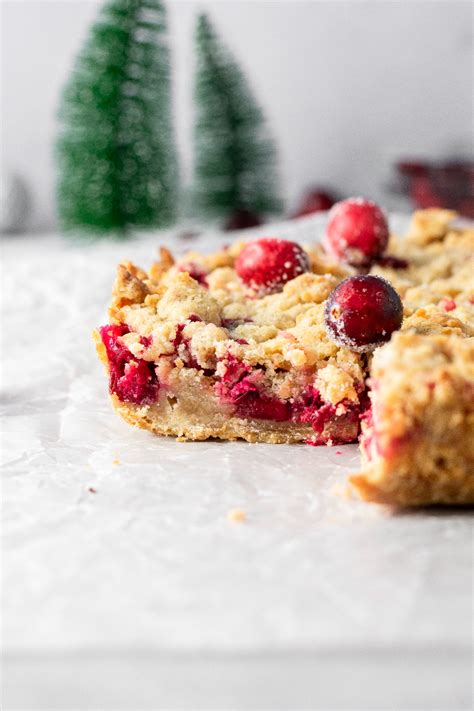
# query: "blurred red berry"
242,220
314,201
357,231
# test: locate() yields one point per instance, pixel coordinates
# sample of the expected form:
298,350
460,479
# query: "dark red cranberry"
424,194
242,220
412,167
392,262
131,379
466,208
362,312
357,231
314,201
267,264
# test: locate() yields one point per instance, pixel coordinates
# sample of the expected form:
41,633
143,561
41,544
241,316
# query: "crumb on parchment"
236,516
343,490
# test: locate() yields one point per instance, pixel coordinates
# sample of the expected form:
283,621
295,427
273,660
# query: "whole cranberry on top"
362,312
267,264
357,231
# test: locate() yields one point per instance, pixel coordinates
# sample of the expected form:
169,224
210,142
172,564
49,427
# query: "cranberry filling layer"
240,386
251,403
131,379
134,380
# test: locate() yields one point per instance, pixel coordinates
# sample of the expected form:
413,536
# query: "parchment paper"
115,539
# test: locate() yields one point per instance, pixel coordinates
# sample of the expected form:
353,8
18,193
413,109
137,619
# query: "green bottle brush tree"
235,161
116,158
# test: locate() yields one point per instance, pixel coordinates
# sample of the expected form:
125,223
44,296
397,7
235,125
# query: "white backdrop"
347,86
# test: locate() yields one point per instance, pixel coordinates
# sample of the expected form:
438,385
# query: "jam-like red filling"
131,379
250,402
134,380
239,386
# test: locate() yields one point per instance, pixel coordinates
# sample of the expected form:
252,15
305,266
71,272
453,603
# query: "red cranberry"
392,262
412,167
267,264
424,194
466,207
357,231
131,379
314,201
362,312
242,220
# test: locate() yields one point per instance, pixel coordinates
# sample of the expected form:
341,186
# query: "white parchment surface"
116,539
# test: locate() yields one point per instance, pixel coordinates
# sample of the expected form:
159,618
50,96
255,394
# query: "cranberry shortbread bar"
192,353
270,342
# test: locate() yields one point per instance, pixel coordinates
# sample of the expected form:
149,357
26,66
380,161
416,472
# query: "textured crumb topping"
196,323
415,375
280,333
285,330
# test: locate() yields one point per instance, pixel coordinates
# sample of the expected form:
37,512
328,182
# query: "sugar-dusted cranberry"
357,231
130,378
362,312
267,264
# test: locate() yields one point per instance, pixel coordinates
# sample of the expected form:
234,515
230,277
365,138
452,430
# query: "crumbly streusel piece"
417,442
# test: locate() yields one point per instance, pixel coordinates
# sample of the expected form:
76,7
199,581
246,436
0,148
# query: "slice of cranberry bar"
211,347
417,440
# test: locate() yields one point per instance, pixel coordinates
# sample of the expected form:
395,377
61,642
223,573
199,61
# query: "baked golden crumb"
236,516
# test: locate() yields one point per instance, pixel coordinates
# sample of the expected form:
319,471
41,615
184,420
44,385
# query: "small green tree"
117,165
234,161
